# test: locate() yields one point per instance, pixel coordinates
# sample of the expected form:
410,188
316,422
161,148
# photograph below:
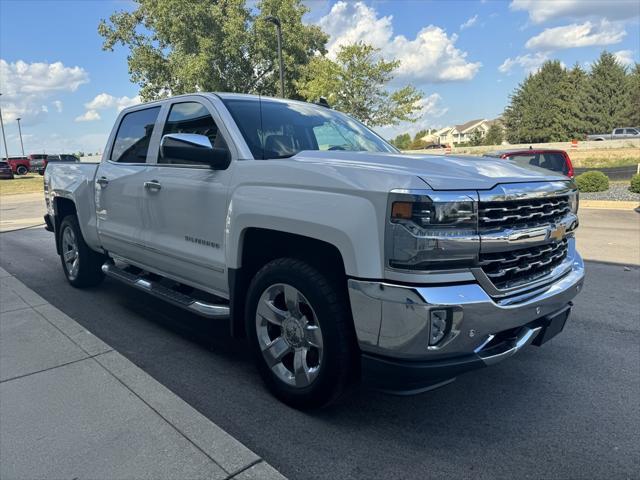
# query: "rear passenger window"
192,117
132,140
554,161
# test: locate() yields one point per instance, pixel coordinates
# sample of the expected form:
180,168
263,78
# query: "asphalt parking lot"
567,410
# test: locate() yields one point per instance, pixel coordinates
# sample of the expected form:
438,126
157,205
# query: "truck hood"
440,172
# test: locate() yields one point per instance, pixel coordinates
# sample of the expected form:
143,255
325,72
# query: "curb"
608,205
232,457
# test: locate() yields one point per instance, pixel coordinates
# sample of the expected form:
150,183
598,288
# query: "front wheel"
299,326
22,170
82,266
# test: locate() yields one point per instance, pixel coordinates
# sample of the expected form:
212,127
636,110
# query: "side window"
618,131
631,131
192,117
132,140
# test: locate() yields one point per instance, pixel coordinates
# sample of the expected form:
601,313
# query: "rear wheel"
82,266
299,327
22,170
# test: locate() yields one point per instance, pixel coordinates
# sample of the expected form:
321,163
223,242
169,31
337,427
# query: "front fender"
348,222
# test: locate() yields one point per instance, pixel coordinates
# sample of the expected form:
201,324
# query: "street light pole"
276,22
20,131
6,151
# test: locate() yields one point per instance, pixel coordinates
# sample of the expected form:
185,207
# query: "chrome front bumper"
392,321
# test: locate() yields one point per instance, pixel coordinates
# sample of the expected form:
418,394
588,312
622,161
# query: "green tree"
180,46
402,141
631,112
418,142
476,138
573,103
495,134
357,83
607,94
536,109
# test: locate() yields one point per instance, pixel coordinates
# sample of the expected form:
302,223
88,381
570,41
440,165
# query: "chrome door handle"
102,181
152,185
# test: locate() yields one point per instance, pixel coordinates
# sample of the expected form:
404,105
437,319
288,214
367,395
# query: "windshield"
276,129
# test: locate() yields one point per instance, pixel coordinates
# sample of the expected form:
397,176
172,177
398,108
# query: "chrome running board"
205,309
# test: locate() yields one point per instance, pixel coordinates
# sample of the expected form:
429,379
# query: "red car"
19,165
555,160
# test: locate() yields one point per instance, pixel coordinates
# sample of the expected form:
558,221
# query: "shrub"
592,182
635,183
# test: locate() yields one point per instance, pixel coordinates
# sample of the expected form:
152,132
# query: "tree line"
557,104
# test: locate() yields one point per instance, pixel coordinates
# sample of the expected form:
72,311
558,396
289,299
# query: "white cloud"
529,62
542,10
578,35
26,86
625,57
430,57
103,101
58,105
88,116
469,23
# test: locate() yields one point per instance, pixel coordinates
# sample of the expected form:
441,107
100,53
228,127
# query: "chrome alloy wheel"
70,252
289,335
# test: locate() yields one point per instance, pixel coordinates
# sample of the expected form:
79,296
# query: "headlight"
574,201
435,230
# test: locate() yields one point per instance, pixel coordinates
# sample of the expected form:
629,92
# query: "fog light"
439,326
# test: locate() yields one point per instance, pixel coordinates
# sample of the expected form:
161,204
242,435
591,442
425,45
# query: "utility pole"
4,139
20,131
276,22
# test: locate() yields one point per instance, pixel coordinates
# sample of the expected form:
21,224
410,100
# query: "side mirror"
192,148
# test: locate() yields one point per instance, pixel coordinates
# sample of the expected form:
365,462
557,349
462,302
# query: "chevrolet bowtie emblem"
556,232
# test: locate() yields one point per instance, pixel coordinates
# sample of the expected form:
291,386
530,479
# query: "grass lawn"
31,183
606,157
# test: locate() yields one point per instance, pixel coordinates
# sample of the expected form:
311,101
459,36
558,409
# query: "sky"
466,57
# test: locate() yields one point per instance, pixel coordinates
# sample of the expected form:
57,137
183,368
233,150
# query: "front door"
119,187
185,205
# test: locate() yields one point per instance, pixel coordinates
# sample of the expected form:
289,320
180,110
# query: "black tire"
22,170
89,268
339,362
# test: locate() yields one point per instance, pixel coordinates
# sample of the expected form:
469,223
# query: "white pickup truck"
338,257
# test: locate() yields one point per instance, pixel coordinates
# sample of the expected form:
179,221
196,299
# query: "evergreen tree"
402,141
575,101
631,112
607,94
535,113
494,135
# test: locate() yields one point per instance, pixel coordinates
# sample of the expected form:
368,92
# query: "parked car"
38,162
6,172
554,160
19,165
62,157
616,134
434,146
336,255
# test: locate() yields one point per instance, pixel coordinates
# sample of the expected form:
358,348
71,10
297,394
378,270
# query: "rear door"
119,184
185,204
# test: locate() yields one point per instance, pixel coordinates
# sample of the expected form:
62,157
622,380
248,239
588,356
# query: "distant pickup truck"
617,134
19,165
335,254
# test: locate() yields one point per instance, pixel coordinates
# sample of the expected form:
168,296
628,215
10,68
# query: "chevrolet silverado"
339,258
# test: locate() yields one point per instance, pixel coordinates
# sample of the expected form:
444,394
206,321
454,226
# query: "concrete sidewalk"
72,407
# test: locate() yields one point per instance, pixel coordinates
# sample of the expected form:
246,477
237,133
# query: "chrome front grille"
527,213
519,267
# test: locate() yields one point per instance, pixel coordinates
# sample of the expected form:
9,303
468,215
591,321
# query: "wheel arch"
62,207
259,246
